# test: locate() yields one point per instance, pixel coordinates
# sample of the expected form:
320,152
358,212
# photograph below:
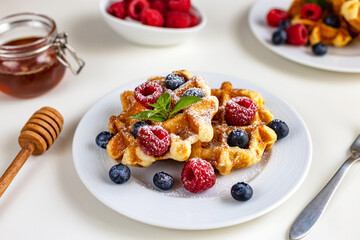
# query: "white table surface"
47,200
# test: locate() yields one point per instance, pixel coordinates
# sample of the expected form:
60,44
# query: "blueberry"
279,37
241,191
319,49
238,138
135,128
163,180
280,128
119,173
284,24
173,81
197,92
332,20
103,138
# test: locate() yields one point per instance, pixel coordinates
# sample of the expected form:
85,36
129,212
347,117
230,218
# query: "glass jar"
33,55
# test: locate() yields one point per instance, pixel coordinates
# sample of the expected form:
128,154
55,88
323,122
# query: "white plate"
273,180
346,59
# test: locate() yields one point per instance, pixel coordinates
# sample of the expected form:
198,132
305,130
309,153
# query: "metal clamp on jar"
33,55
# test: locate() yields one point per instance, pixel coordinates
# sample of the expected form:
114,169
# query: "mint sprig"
160,113
322,3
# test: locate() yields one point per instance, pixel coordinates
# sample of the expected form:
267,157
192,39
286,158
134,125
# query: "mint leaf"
163,102
153,115
183,103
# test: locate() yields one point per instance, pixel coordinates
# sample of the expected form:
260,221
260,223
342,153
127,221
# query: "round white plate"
345,59
273,179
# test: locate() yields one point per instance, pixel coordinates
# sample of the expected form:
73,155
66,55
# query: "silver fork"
313,211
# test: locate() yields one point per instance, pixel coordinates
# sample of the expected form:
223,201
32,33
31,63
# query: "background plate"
273,179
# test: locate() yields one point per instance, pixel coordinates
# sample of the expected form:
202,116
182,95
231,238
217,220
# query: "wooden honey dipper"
37,136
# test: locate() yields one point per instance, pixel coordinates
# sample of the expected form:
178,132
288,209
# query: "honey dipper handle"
15,166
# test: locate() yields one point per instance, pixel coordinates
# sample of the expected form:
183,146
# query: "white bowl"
138,33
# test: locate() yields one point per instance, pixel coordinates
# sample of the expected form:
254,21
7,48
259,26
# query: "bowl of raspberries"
153,22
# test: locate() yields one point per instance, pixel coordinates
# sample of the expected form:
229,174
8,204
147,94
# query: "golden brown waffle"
261,138
185,128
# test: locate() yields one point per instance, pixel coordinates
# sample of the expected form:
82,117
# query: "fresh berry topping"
152,17
135,128
241,191
275,16
136,7
280,127
240,111
238,138
148,93
319,49
198,175
180,5
118,9
283,25
119,173
159,5
196,92
311,11
195,20
297,34
163,180
279,37
153,140
332,20
103,138
173,81
177,19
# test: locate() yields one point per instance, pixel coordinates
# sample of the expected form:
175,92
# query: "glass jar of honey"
33,55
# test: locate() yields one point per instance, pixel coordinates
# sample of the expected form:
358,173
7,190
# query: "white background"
47,199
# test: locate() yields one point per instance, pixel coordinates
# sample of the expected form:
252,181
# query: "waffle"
261,138
185,128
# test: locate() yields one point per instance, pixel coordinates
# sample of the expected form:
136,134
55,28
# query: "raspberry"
159,5
311,11
152,17
136,7
148,93
177,19
240,111
198,175
194,19
180,5
297,34
275,16
153,140
118,9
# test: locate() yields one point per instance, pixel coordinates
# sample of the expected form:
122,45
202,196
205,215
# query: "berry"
118,9
311,11
319,49
103,138
196,92
148,93
159,5
280,128
275,16
198,175
332,20
177,19
163,180
279,37
136,7
173,81
297,34
238,138
283,25
119,173
152,17
241,191
135,128
240,111
195,20
153,140
180,5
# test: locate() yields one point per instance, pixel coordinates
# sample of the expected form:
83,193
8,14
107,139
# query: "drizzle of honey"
32,76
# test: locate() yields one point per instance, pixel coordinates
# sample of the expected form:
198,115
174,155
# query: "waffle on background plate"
198,131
